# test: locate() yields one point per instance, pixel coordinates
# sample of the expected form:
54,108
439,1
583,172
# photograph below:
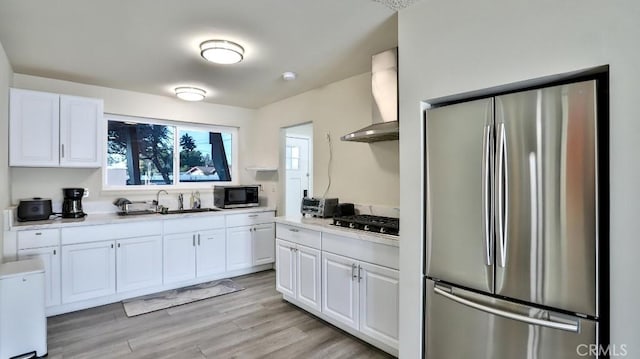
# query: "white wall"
28,182
360,172
6,80
449,47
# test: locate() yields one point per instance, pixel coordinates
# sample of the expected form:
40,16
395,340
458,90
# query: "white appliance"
23,325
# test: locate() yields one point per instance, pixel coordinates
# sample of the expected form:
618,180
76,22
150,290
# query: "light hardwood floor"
253,323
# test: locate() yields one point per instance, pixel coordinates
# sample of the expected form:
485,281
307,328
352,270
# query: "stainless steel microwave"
235,196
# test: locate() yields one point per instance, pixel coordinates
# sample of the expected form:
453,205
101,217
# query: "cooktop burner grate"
365,222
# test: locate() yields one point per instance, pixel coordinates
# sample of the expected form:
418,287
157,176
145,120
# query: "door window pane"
139,154
292,158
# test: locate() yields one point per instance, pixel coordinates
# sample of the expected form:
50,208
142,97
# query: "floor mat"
171,298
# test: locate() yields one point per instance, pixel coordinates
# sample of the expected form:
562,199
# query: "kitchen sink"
171,211
190,210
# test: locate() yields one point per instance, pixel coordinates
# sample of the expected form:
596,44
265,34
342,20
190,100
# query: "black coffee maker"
72,204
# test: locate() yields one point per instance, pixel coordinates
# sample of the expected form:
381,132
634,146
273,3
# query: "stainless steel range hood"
384,88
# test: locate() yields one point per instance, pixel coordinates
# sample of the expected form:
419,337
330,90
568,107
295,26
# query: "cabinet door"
308,276
138,263
211,252
34,128
51,259
264,236
379,297
179,257
340,289
285,268
88,271
81,131
239,248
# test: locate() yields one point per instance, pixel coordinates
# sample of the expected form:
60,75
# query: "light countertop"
113,218
325,225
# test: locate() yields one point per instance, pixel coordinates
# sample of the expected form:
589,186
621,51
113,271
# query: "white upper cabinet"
81,131
34,120
51,130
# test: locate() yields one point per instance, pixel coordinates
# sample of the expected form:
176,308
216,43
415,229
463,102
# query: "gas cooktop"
369,223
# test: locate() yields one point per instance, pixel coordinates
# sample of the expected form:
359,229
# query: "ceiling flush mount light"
396,4
190,93
221,51
289,76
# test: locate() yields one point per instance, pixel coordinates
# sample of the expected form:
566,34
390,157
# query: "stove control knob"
338,223
351,225
383,230
366,227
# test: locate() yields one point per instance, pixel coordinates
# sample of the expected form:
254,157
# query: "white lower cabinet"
298,273
263,243
239,251
340,290
211,252
285,268
361,295
138,263
191,255
379,302
88,271
179,257
50,257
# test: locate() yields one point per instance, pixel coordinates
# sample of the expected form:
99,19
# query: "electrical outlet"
86,193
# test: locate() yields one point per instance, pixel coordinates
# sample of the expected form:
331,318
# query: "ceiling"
152,46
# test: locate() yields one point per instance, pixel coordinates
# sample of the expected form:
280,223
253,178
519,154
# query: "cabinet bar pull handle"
111,245
38,233
359,273
253,215
54,252
198,238
194,240
62,150
118,245
353,271
294,230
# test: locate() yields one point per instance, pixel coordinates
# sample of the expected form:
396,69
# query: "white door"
50,257
264,236
179,257
81,132
340,289
88,271
239,247
297,173
138,263
285,268
34,120
211,253
379,300
308,286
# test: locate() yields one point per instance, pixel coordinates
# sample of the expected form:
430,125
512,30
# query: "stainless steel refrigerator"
512,216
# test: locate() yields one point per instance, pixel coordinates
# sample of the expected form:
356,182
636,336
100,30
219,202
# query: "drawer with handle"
307,237
38,238
249,219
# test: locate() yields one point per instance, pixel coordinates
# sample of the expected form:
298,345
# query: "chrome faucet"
180,201
157,202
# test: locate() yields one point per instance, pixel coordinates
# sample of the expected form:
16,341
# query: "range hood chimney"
384,88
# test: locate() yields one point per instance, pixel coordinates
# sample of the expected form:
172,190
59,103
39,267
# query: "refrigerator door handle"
486,202
570,327
502,191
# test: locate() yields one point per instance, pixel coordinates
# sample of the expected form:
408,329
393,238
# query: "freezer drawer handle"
519,317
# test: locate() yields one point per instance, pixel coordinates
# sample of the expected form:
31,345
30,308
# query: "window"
293,158
147,153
